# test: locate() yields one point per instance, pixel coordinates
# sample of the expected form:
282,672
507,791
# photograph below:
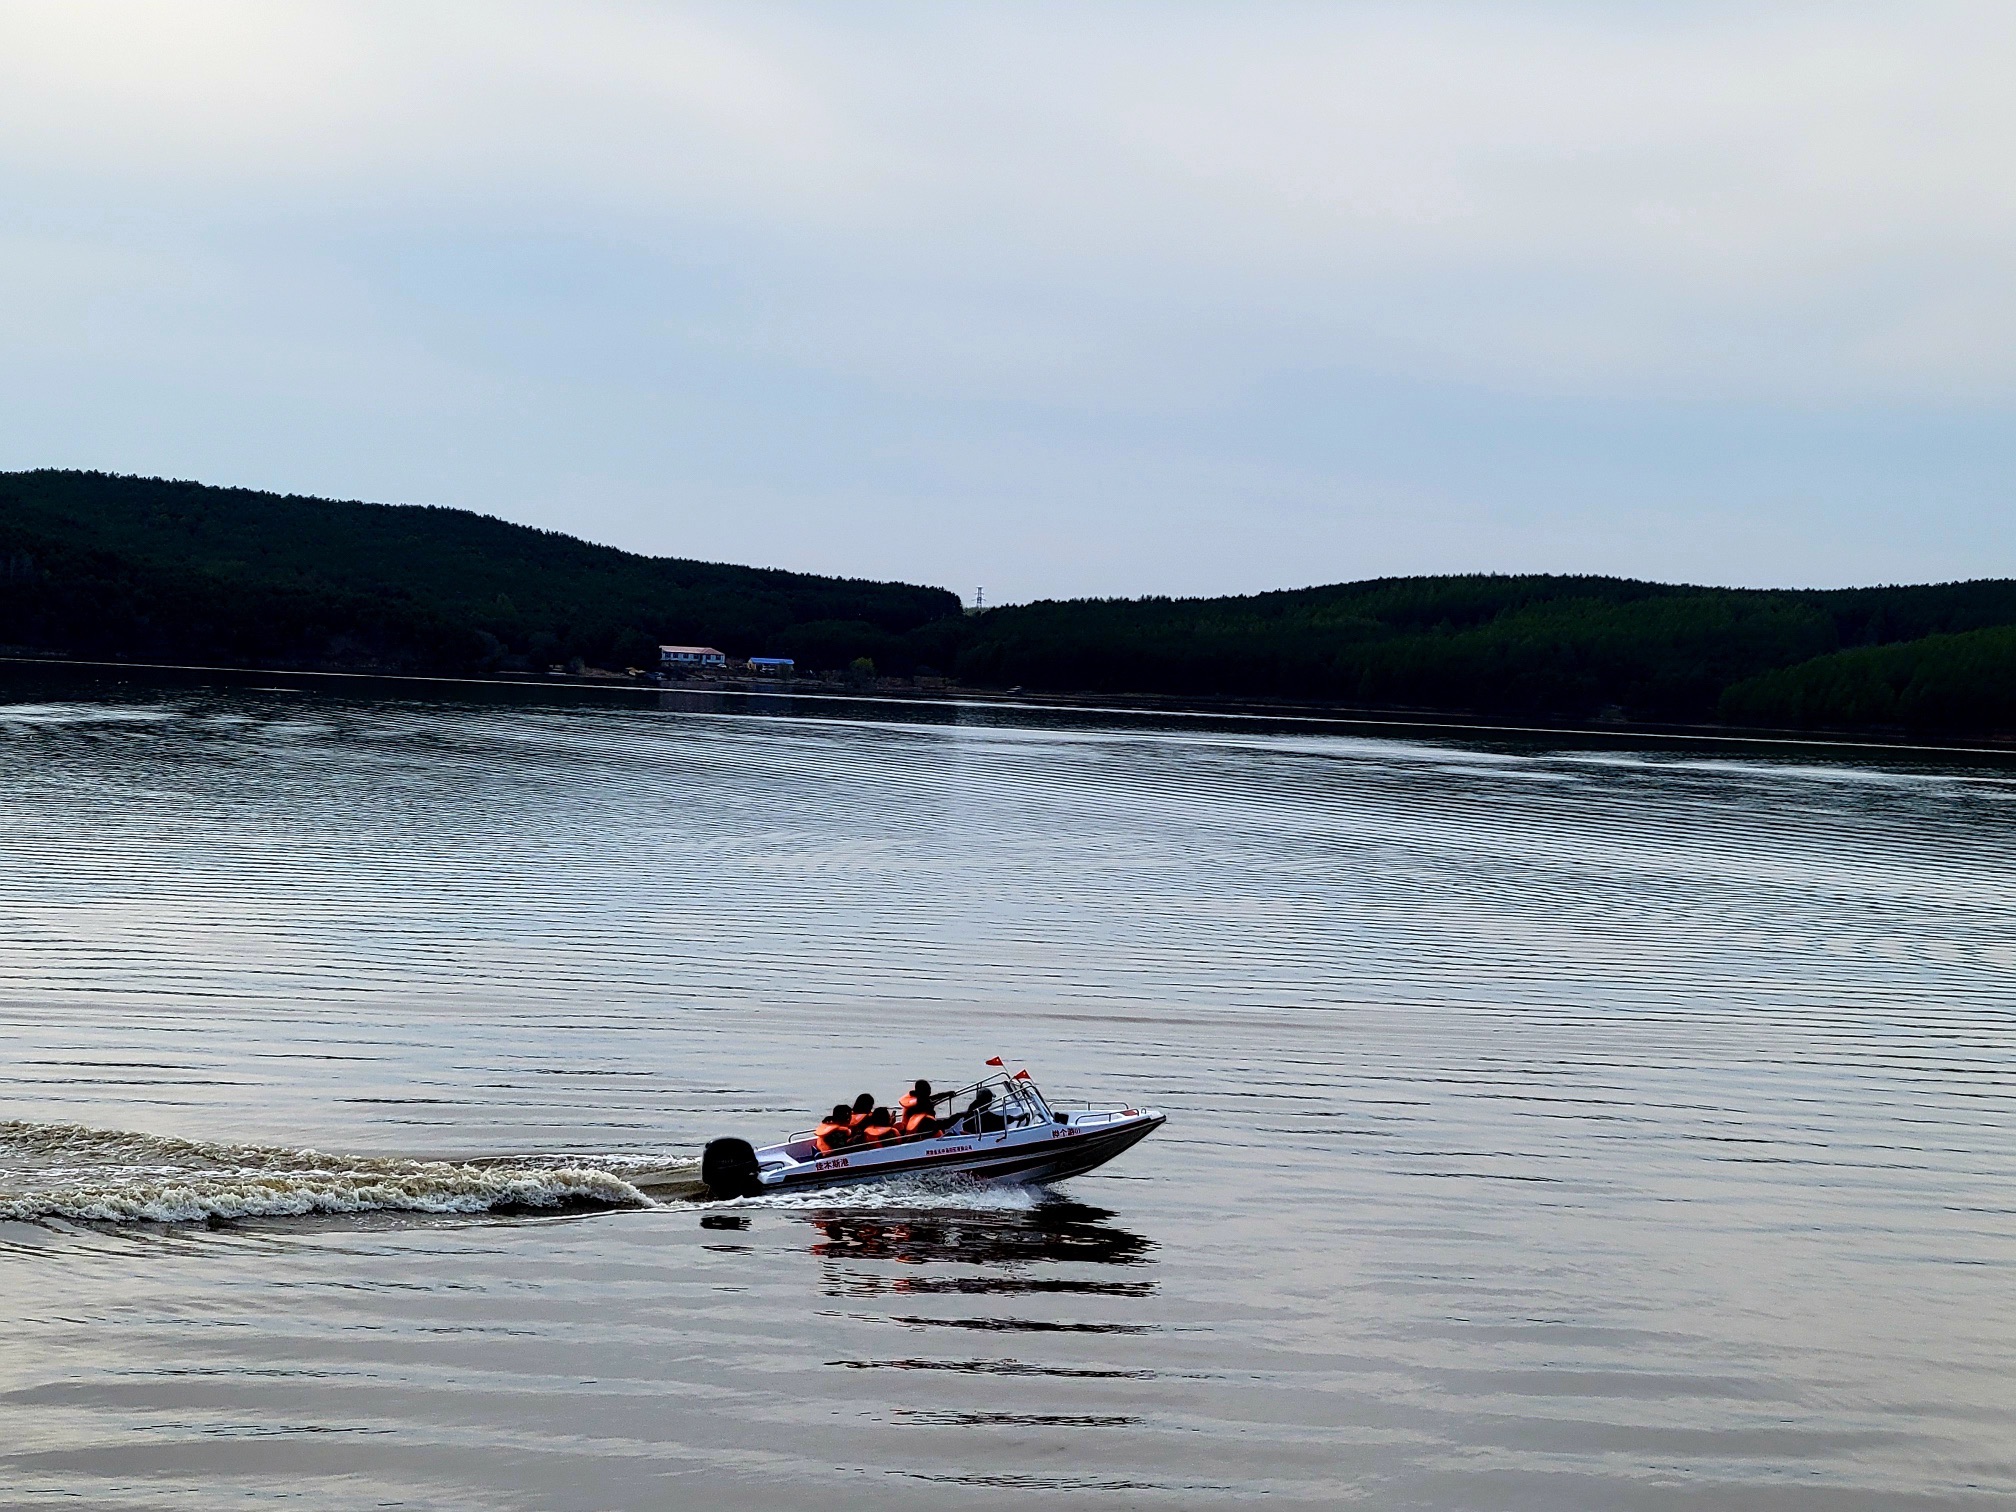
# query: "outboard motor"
729,1169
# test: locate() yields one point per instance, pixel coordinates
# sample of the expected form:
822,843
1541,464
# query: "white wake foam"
112,1176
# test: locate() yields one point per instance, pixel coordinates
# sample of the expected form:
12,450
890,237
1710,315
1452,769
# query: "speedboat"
1013,1134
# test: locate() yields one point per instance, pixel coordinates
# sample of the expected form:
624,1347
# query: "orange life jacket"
831,1136
855,1121
920,1122
875,1132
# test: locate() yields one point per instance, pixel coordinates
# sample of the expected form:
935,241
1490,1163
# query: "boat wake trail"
110,1176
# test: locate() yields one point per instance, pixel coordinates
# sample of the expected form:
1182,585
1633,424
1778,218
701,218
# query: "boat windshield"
1010,1104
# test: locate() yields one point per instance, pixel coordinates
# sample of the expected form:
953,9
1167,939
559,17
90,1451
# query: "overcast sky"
1056,299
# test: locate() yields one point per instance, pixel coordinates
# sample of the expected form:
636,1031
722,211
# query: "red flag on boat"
994,1060
1022,1075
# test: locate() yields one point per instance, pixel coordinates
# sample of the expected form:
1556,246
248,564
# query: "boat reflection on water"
1035,1251
983,1318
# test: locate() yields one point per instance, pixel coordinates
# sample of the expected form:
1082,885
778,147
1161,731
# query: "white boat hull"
1068,1145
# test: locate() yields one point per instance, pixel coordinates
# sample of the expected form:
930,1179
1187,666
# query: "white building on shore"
686,658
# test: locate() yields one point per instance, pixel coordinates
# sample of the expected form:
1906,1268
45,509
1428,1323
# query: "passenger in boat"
918,1113
837,1132
880,1127
863,1106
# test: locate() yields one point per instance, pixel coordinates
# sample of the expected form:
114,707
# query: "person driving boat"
980,1117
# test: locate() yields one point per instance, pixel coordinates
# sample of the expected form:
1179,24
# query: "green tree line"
1920,657
1962,684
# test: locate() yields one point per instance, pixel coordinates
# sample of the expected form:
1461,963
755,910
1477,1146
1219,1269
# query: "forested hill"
1933,658
144,569
137,568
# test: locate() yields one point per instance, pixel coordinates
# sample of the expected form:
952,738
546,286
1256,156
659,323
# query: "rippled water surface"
1551,1126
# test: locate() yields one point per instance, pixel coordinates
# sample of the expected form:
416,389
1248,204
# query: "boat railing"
1081,1114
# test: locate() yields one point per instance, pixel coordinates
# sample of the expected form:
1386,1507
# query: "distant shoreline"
105,568
1200,707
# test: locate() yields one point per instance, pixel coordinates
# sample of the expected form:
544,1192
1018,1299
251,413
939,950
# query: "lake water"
1552,1125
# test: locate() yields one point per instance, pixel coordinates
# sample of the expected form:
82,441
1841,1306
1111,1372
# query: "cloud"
1017,224
1689,197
